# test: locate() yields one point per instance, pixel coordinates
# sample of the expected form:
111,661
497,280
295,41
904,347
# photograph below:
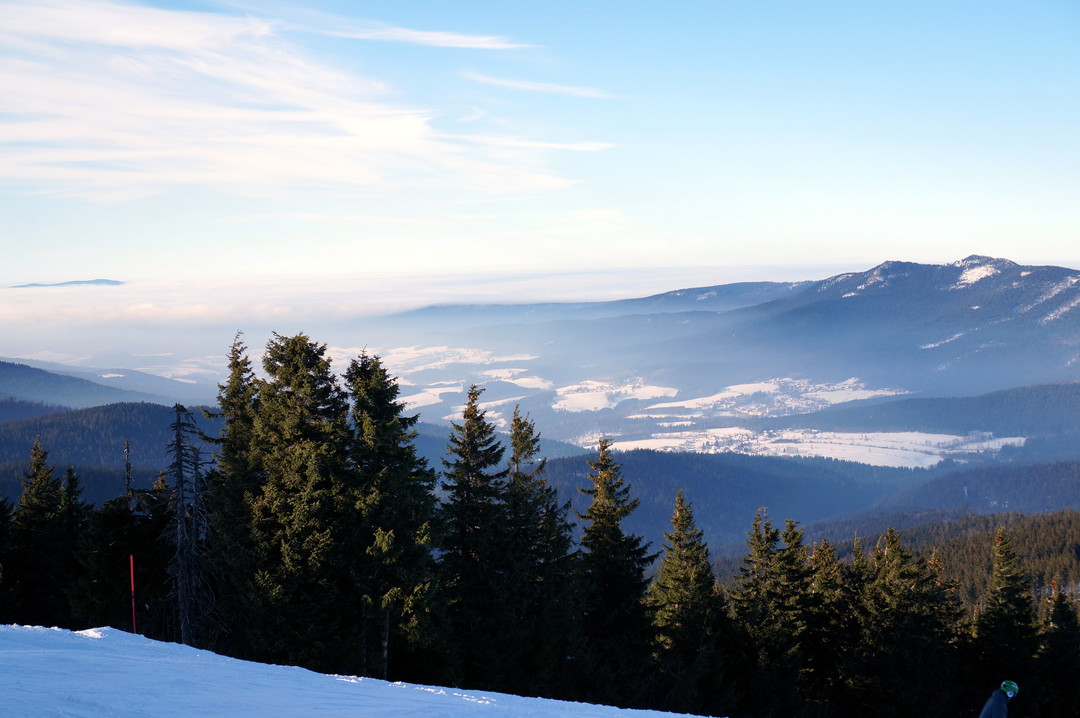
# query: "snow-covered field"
775,397
903,449
595,395
105,672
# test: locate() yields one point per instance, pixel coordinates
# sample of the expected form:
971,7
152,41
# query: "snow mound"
105,672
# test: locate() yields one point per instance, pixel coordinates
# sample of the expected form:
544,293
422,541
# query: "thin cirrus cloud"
390,33
542,87
116,101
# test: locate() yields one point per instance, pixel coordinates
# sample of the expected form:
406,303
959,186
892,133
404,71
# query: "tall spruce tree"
303,606
831,630
691,622
1059,658
233,483
474,561
767,599
6,598
904,662
1006,631
395,501
46,532
615,625
538,589
190,586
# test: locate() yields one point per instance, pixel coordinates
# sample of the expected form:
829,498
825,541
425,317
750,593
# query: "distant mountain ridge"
718,298
26,383
148,387
72,283
977,325
678,369
982,322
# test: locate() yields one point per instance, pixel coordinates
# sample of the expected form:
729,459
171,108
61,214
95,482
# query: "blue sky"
228,143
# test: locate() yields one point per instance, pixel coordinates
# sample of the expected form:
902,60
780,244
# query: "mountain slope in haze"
72,283
980,322
718,298
18,409
1028,489
726,489
1045,409
973,326
1047,416
641,370
168,391
26,383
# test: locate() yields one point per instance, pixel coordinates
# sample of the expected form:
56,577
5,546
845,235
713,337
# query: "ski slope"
105,672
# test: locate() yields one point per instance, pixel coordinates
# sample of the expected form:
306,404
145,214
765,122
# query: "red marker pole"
131,564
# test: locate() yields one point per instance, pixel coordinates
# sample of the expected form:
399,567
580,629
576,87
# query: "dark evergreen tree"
538,587
46,530
6,597
690,616
615,625
125,532
768,600
474,561
1059,659
831,630
1006,631
233,484
904,662
190,586
395,501
303,607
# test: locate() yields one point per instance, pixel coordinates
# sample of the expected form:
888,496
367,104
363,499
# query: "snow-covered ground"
776,397
105,672
904,449
595,395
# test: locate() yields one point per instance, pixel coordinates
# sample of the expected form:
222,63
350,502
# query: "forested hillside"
1048,415
727,488
1047,409
95,436
18,409
1047,546
320,537
19,381
993,489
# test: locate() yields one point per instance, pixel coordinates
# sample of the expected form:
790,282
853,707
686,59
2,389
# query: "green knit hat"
1010,687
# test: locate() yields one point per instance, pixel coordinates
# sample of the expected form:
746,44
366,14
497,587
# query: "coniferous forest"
309,531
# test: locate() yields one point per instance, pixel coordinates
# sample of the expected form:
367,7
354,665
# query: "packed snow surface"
106,672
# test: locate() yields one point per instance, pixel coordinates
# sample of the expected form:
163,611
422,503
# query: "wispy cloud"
389,33
544,87
112,101
515,142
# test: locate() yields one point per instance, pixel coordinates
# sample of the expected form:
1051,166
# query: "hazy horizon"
72,323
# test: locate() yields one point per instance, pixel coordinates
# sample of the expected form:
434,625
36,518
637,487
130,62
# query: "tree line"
312,533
